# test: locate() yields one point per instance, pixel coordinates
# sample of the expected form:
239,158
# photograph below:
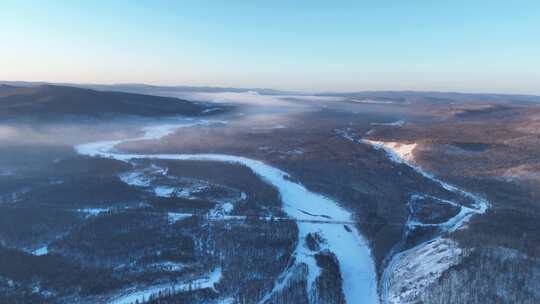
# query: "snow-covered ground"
157,180
167,266
93,211
41,251
225,301
400,272
403,153
153,178
350,248
419,267
404,269
141,295
450,224
398,152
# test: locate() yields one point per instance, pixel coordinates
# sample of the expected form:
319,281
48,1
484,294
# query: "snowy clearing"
419,267
142,295
398,152
41,251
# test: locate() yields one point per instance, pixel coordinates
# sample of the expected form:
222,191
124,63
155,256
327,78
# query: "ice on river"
351,249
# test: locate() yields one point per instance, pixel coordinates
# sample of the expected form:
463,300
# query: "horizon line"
298,91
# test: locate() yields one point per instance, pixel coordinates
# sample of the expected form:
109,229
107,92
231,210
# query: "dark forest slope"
48,101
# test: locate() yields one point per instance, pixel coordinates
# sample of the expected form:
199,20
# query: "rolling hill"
51,102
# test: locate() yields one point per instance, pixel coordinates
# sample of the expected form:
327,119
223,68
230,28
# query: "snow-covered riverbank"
407,273
403,278
350,248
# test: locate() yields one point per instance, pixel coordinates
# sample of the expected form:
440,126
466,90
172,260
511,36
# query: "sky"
468,46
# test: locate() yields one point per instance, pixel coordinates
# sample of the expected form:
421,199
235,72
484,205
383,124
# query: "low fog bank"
35,146
32,145
28,142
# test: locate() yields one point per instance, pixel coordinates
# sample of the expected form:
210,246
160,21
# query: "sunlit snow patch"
141,295
41,251
419,267
398,152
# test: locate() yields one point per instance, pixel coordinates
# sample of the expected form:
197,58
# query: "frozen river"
345,242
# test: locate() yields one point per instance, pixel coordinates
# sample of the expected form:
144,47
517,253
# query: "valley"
272,199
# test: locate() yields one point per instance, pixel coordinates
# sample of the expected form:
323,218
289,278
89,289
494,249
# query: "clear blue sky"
312,45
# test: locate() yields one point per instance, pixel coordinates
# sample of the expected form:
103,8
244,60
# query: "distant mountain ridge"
437,96
140,88
52,101
396,95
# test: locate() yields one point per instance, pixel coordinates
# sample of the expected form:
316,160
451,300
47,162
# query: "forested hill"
50,101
